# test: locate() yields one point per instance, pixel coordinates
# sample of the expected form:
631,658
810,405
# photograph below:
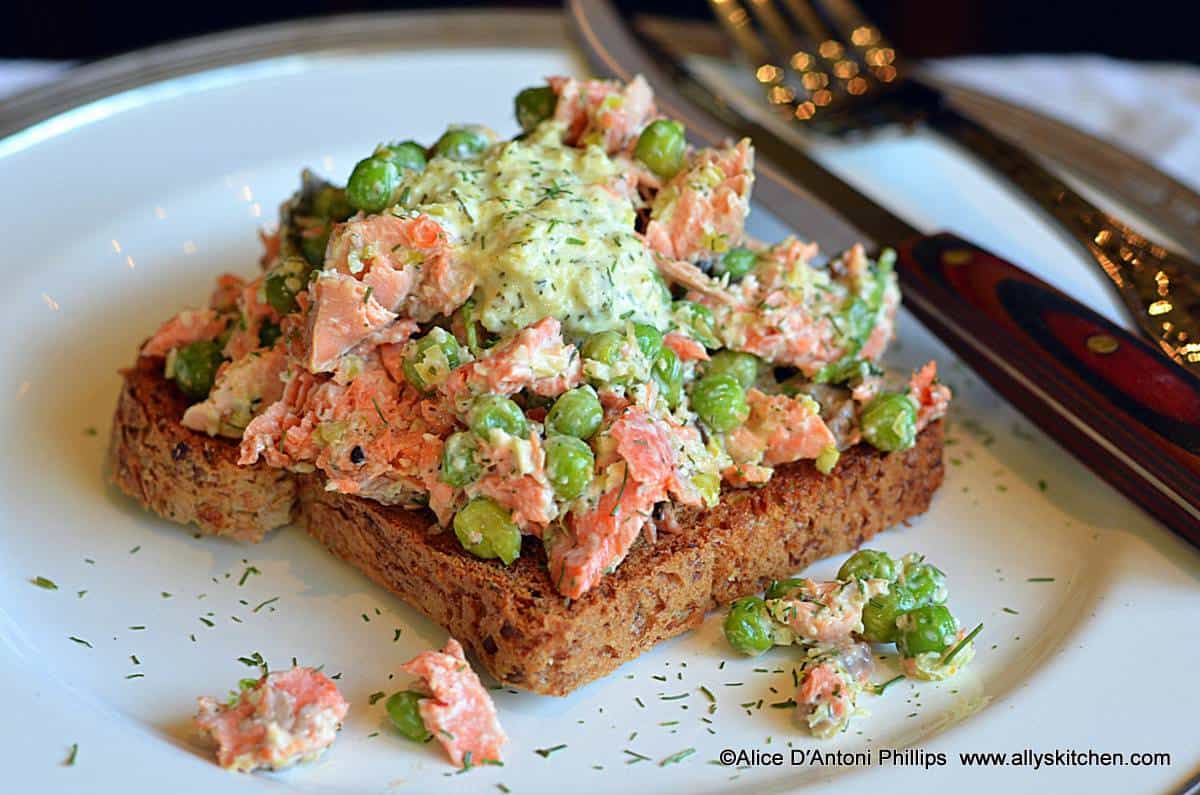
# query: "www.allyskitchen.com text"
1028,758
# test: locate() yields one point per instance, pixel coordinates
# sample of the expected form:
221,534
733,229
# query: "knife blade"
1125,411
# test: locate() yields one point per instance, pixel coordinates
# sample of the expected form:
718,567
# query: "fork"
832,71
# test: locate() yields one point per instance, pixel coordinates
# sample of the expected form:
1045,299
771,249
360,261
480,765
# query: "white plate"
118,214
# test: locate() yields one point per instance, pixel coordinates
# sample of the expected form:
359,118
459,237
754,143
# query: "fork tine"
777,28
736,22
865,38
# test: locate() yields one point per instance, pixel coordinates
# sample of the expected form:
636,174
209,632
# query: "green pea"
926,629
698,319
737,262
926,582
649,340
459,466
570,466
781,588
868,564
431,359
668,374
496,412
605,347
843,370
372,184
404,710
460,143
283,282
486,530
748,628
742,366
889,422
880,614
195,368
405,155
720,402
576,413
331,203
662,147
268,334
534,105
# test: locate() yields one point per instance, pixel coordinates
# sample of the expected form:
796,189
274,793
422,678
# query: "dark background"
85,29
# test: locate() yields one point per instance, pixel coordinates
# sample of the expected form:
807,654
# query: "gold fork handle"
1160,288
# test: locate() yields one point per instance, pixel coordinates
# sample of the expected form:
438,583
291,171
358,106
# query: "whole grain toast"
511,618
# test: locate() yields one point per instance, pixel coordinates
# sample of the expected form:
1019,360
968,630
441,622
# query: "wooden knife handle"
1124,409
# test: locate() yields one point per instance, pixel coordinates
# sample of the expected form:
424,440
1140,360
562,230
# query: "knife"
1126,412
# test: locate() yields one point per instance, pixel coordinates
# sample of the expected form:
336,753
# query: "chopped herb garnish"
639,702
134,676
44,582
708,694
261,605
636,757
880,688
503,788
136,661
1010,611
249,570
137,628
72,755
674,698
207,623
970,637
134,551
80,641
255,660
677,757
398,633
1040,579
378,694
791,702
545,752
165,595
574,241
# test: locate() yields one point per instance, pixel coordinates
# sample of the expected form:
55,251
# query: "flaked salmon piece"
287,716
343,314
687,275
242,389
603,112
516,479
458,712
779,429
686,348
190,325
643,450
701,211
931,397
535,358
407,262
829,687
826,612
227,292
373,436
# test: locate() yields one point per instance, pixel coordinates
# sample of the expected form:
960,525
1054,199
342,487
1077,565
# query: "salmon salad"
561,337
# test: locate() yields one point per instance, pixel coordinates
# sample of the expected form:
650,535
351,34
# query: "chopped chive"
659,678
44,582
396,636
545,752
134,551
1010,611
372,734
261,605
82,593
207,622
677,757
669,723
1040,579
249,570
636,757
639,702
708,694
74,753
80,641
880,688
503,788
674,698
791,702
135,659
137,628
134,676
962,643
165,595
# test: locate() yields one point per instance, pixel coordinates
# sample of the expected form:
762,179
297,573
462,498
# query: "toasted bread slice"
187,476
511,618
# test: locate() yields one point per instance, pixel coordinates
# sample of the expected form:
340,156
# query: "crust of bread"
187,476
511,618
